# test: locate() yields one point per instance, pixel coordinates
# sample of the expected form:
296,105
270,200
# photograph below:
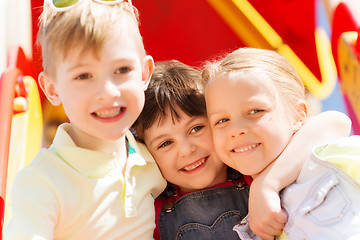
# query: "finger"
281,217
270,228
277,225
267,231
265,236
272,231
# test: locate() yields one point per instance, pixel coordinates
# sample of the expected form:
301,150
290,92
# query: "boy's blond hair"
253,61
85,26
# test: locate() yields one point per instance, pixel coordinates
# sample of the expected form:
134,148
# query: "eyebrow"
119,60
209,115
157,138
81,65
126,59
192,119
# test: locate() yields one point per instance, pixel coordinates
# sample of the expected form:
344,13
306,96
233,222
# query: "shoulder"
342,146
138,148
33,189
39,167
46,174
140,158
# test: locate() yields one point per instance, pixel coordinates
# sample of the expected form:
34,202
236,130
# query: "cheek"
75,96
219,148
165,163
279,140
206,141
68,100
218,139
168,171
135,96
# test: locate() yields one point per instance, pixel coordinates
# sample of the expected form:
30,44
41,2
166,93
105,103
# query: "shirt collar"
94,164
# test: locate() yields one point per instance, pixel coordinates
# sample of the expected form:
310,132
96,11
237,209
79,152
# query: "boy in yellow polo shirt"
95,181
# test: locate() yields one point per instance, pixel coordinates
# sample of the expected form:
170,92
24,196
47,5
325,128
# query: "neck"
92,143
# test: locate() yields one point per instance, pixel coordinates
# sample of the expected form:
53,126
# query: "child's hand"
266,217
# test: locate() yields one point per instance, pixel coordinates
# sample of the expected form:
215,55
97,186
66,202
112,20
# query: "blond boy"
95,181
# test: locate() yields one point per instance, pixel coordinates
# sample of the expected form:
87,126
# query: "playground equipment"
346,51
20,122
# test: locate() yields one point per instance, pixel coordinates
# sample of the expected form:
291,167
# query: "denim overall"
206,214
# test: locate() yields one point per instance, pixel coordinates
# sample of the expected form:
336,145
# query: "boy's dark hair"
174,86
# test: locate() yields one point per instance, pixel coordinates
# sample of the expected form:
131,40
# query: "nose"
186,148
108,90
238,128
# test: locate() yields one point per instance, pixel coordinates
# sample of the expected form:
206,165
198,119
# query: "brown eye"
83,76
256,111
196,129
164,144
123,70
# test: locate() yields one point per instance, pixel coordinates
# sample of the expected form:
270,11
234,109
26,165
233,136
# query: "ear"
300,115
148,70
49,89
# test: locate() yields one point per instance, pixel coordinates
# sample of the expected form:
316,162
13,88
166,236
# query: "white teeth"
244,149
195,165
109,113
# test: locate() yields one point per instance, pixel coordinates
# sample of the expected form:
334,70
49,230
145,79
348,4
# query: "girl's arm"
265,214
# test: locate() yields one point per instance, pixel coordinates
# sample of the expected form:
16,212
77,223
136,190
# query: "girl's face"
251,124
185,153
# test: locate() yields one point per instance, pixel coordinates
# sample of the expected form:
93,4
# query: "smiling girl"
204,198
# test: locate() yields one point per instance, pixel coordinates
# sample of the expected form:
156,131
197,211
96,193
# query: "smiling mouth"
195,165
246,148
109,113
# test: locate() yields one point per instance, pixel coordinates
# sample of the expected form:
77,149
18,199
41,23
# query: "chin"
113,138
247,172
204,185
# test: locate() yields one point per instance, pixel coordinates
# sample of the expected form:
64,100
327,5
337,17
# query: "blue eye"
223,120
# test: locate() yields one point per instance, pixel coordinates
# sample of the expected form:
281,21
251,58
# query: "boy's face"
250,123
184,152
102,96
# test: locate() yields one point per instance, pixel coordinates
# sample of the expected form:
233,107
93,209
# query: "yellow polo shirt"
69,192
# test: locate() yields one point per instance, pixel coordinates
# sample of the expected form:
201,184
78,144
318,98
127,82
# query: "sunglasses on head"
62,5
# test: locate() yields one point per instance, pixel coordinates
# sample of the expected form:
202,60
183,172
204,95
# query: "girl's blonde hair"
85,26
251,60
